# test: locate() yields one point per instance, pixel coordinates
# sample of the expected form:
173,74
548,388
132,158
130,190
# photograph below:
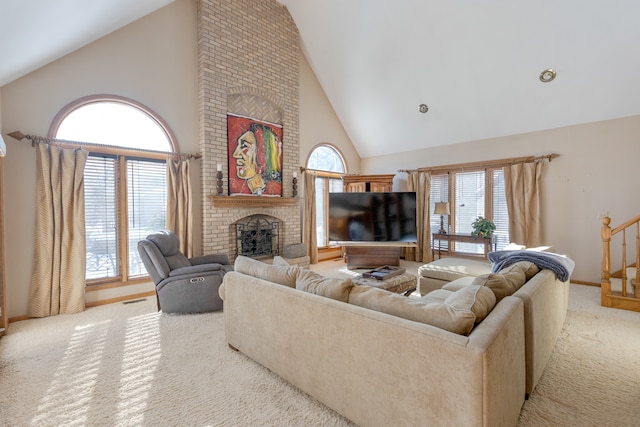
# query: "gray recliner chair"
183,285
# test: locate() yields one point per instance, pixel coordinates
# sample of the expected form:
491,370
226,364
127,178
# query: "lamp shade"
442,208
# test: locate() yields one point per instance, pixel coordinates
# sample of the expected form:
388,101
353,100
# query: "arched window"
329,165
326,158
124,179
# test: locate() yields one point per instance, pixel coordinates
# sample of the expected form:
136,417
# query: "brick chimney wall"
247,64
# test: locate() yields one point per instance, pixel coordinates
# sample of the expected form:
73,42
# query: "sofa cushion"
458,284
272,273
279,261
334,288
450,268
458,313
528,268
501,284
437,296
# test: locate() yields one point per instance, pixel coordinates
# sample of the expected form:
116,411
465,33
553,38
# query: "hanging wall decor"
255,157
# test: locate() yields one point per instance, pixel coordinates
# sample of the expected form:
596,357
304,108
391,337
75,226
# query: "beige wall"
594,175
161,74
319,123
153,60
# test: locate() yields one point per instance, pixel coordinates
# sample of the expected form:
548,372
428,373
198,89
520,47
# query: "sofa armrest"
210,259
195,269
502,336
545,308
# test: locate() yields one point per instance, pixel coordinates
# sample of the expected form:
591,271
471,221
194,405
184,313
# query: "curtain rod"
501,162
36,139
321,172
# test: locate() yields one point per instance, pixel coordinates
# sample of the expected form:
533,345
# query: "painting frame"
254,156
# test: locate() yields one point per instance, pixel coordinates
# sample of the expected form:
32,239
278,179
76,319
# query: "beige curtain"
309,223
58,276
420,182
179,205
522,190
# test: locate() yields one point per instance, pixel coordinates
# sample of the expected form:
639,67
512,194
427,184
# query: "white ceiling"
474,63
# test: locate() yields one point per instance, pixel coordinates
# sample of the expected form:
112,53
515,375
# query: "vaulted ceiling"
475,64
34,33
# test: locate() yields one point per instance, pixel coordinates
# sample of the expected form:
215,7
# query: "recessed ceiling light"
547,75
423,108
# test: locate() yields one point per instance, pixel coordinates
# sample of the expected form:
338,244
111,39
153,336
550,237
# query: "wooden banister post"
624,262
605,283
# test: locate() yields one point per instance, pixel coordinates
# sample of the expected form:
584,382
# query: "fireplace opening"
257,237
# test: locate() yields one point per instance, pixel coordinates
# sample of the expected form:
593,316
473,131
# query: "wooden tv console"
373,255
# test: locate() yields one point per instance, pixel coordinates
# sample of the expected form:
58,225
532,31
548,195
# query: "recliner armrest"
195,269
210,259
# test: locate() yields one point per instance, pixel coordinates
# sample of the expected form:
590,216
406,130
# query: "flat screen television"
372,217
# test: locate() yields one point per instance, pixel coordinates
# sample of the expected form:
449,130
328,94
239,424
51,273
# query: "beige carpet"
127,365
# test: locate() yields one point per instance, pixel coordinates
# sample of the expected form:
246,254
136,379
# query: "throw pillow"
502,285
528,268
272,273
456,285
312,282
477,299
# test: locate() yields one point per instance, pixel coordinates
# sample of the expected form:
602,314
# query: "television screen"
372,217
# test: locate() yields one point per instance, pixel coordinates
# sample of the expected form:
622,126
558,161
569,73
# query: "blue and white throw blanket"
561,265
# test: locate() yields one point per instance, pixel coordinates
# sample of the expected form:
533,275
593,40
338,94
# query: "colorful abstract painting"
255,157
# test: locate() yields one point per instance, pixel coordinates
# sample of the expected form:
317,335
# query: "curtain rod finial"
17,135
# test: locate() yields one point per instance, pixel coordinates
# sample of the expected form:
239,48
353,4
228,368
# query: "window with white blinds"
101,217
325,158
146,205
499,213
124,178
324,186
469,204
146,212
473,193
439,193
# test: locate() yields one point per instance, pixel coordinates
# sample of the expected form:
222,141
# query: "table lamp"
442,209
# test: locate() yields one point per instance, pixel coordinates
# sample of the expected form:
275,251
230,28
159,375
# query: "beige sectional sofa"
456,356
545,301
340,344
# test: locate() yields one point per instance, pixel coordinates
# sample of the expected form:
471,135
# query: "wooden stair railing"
623,299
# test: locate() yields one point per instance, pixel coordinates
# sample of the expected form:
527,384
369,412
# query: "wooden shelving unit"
368,183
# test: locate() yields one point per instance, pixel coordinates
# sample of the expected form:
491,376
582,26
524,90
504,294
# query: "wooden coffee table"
404,283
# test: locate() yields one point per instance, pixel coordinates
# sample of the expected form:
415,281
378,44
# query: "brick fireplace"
257,236
248,66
